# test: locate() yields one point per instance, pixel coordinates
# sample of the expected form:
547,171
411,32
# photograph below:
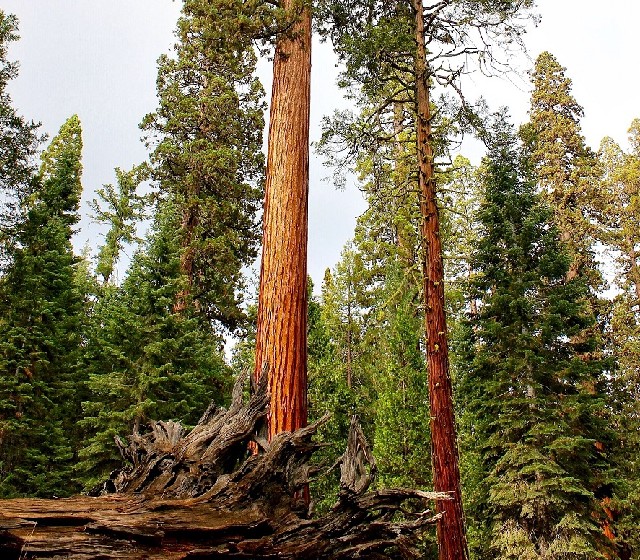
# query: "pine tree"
19,142
401,409
389,297
534,416
460,201
147,359
620,221
399,50
41,335
328,390
339,356
125,208
566,169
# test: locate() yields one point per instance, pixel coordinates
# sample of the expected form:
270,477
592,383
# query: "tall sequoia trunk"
452,543
281,340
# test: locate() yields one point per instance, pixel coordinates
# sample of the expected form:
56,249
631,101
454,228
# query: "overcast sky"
97,58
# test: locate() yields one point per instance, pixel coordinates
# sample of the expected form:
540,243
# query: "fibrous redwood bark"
452,543
281,339
200,495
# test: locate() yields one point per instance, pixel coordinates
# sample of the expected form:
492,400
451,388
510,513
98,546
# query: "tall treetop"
559,148
8,34
61,171
564,166
207,135
19,142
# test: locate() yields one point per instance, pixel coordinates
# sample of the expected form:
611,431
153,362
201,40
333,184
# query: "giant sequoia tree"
281,338
564,166
207,157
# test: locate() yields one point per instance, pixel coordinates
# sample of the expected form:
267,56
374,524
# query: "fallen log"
202,495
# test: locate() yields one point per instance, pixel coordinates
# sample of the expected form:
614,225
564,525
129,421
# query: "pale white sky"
97,58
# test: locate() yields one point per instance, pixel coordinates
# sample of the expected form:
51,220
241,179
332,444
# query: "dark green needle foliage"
148,358
207,137
564,166
533,422
19,142
402,407
40,331
156,346
619,232
338,369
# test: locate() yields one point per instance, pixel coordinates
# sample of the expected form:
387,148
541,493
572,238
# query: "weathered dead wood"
202,495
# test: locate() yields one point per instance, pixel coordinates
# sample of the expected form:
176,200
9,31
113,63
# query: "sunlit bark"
281,340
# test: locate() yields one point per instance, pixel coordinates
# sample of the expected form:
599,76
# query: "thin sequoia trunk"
452,543
281,339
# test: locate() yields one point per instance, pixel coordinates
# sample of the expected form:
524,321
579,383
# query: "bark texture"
281,339
201,495
452,542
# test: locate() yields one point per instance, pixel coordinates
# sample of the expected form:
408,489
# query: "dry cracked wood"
201,495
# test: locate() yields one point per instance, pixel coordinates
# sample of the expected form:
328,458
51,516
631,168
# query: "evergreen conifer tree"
534,411
207,136
125,208
339,372
148,358
401,50
19,142
620,234
40,338
565,167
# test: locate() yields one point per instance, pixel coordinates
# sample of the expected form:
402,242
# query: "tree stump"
202,495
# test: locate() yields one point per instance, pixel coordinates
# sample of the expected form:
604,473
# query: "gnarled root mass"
201,495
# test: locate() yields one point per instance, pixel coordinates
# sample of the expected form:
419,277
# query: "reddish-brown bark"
281,340
452,543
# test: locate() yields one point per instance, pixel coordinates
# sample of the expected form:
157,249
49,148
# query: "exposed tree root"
201,495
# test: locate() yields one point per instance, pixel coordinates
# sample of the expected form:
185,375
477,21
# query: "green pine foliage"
533,418
122,208
19,143
339,382
366,358
565,167
402,408
40,334
619,233
148,358
207,138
